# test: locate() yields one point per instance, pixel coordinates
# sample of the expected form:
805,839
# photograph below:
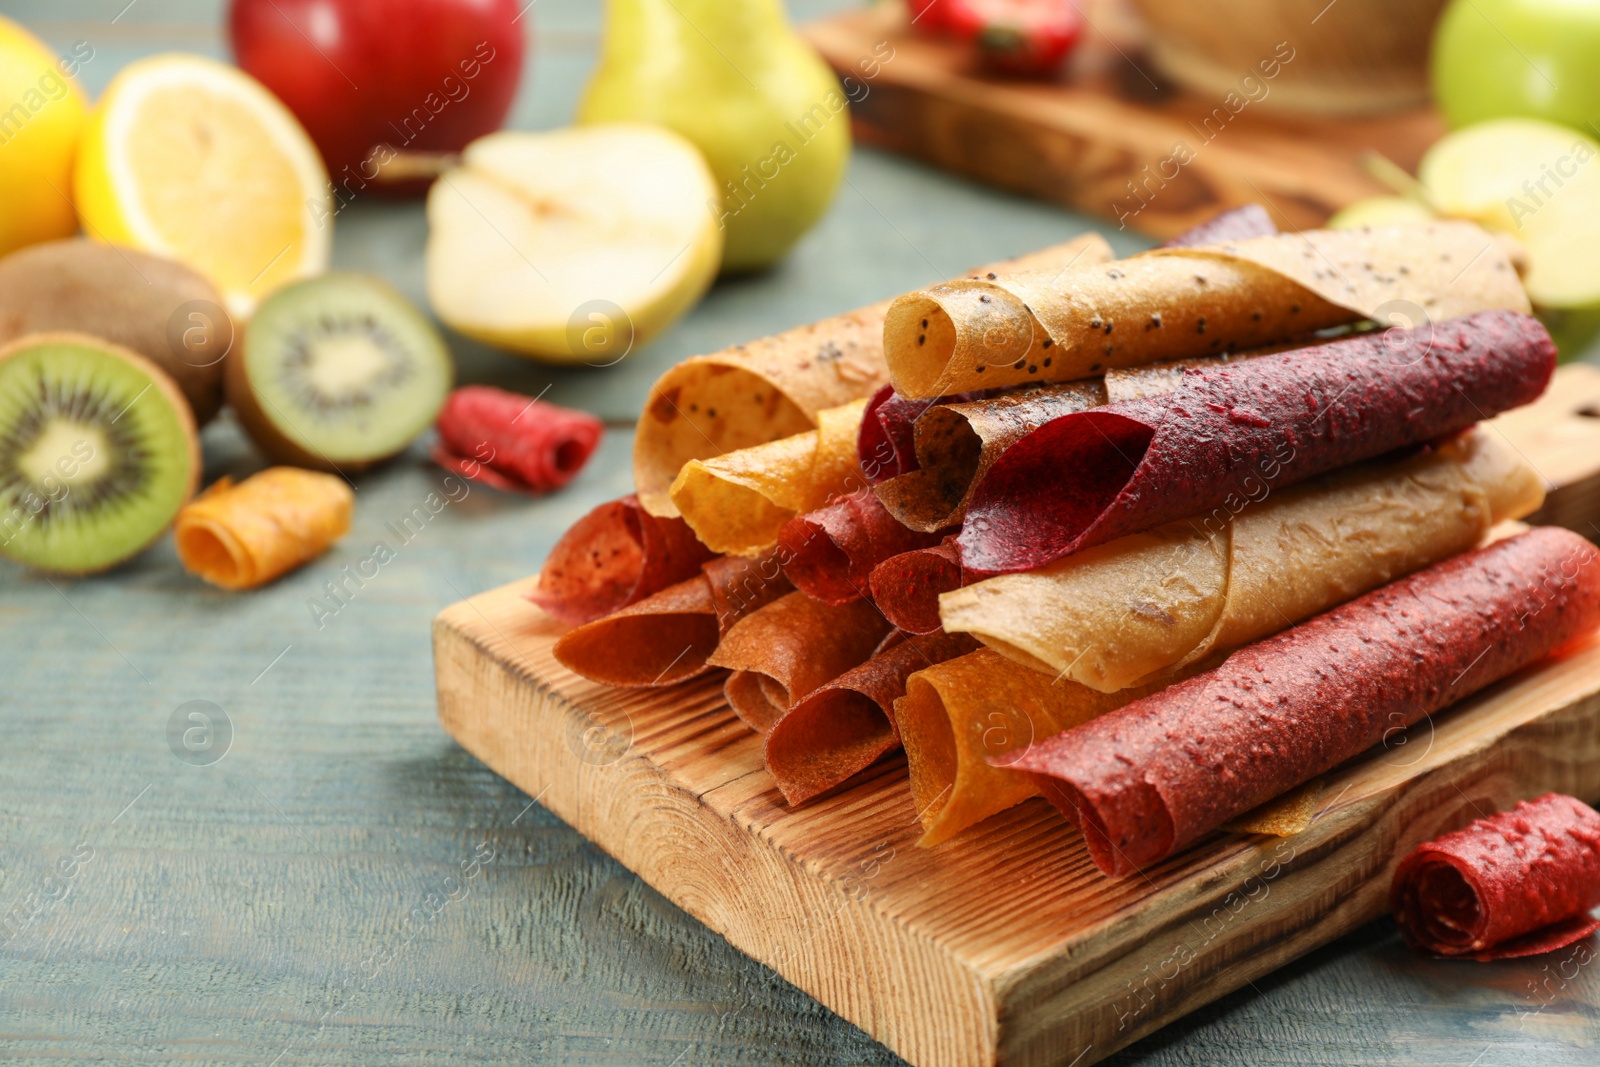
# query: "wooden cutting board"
1106,140
1006,945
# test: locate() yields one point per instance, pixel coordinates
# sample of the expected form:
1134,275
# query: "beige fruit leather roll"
1175,303
737,502
960,720
242,536
773,388
1134,610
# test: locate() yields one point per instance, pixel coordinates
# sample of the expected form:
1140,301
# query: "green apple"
1574,331
733,77
1380,212
572,246
1509,58
1537,181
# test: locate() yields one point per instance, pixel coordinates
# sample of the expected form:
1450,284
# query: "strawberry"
1024,37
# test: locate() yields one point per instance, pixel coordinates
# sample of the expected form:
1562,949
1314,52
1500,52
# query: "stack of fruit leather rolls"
773,388
1236,433
1107,626
1160,773
741,476
1226,436
932,463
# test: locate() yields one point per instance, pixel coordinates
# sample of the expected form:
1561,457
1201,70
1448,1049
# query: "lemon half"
192,159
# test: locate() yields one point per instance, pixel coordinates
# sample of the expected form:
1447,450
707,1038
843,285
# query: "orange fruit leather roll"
785,650
958,715
245,535
738,502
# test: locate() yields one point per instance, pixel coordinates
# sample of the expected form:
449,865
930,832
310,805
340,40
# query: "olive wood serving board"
1006,945
1087,140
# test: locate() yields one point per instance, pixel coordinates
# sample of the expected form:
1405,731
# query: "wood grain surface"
1006,944
288,904
1113,138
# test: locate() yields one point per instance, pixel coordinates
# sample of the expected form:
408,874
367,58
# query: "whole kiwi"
157,307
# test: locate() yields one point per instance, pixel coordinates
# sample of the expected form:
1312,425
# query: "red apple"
409,75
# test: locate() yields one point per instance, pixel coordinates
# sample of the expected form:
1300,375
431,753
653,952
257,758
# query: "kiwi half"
158,307
98,451
338,372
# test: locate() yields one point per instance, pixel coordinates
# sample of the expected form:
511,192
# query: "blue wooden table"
335,881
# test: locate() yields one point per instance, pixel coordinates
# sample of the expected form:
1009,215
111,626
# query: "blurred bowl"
1349,57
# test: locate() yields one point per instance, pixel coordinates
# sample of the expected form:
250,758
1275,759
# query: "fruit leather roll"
886,445
1235,224
1234,434
955,444
1517,883
963,720
1156,775
846,725
830,553
773,388
787,648
738,502
245,535
666,637
957,715
946,448
512,442
615,555
1173,303
907,587
1126,612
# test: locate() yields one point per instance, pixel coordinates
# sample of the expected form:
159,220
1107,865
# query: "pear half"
1537,181
572,246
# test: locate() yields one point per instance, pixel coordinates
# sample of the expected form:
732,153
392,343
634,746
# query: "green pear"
734,78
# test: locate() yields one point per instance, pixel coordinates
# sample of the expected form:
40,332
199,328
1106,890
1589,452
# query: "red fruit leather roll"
845,726
906,587
1232,434
513,442
616,555
1237,224
1514,884
831,552
666,637
1149,778
886,444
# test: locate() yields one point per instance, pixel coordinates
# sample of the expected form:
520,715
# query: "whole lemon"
41,114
